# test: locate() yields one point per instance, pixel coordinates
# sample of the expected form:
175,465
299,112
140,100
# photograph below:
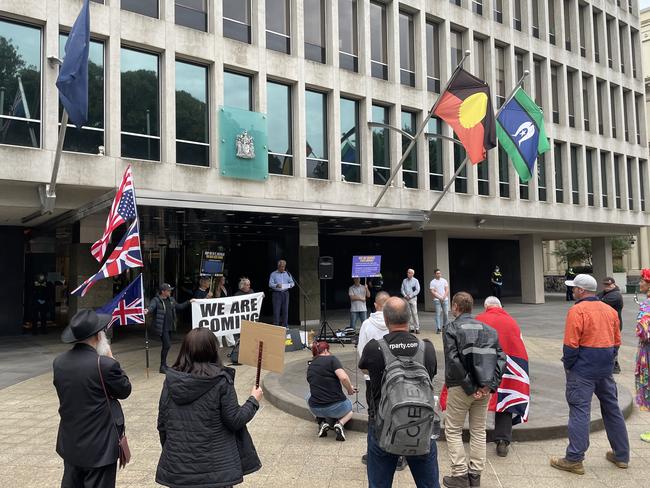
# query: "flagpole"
146,329
419,131
427,217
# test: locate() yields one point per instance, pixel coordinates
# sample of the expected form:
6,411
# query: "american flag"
514,390
127,254
122,210
128,306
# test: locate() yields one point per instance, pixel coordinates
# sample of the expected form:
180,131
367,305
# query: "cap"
165,287
584,281
609,280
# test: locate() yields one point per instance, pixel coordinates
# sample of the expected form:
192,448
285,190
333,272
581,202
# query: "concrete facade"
538,217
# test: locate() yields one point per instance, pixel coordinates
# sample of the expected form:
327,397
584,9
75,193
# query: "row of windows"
189,13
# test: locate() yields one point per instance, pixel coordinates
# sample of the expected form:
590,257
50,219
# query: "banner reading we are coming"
224,315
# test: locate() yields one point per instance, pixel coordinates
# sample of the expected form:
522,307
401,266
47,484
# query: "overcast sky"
644,3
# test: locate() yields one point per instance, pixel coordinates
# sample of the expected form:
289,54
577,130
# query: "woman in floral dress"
642,370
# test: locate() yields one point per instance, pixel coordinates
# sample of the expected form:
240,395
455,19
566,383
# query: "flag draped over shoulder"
128,306
73,75
466,106
521,133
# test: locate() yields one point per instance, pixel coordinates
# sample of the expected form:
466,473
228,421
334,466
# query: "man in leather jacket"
474,365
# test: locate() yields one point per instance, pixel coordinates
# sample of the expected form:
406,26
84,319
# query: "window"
410,167
20,84
622,37
435,155
500,75
406,53
551,21
635,43
479,58
192,119
192,13
612,99
460,184
571,101
596,33
380,146
455,2
583,27
516,14
630,184
590,178
523,190
642,177
626,118
559,180
504,174
585,102
537,67
638,108
497,13
483,178
278,26
610,51
143,7
315,30
279,117
91,135
519,65
567,24
456,48
535,17
603,178
378,49
316,117
350,157
140,89
541,177
237,90
477,7
348,43
600,100
433,57
555,97
575,182
617,180
237,20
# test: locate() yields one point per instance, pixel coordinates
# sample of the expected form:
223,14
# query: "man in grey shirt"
410,291
358,295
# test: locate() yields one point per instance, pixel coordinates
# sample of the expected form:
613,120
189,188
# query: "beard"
103,346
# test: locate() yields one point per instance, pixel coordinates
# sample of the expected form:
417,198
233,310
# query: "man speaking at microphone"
280,283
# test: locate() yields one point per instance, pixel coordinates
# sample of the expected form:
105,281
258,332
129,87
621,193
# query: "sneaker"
401,463
502,448
619,464
364,459
564,465
322,430
438,332
474,479
456,481
645,437
340,432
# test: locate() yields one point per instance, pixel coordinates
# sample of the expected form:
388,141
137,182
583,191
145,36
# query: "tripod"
305,301
357,404
325,326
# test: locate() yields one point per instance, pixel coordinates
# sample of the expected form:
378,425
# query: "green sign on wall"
243,151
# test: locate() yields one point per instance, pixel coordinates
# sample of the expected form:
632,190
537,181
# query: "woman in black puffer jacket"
205,443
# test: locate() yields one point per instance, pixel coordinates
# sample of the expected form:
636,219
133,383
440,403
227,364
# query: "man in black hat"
611,295
164,308
88,432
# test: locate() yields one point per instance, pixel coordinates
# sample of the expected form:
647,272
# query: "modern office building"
174,84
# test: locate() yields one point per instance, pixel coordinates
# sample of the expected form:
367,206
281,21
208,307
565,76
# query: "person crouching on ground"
202,427
326,400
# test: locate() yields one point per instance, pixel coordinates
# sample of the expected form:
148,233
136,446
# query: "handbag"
122,443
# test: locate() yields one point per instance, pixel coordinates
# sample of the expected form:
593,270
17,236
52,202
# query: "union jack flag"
128,306
127,254
122,210
514,390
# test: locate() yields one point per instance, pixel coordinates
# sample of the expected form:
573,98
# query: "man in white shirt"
439,289
410,291
358,295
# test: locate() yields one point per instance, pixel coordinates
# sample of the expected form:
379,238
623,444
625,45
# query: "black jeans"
166,339
40,318
503,426
76,477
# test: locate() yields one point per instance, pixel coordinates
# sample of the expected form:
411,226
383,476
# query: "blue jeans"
357,317
442,312
579,392
280,301
381,465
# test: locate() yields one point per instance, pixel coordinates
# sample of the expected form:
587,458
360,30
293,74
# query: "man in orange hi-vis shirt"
591,339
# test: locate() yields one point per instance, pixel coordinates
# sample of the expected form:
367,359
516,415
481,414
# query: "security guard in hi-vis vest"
497,282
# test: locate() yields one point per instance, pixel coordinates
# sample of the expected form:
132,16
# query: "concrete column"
435,249
308,253
644,248
601,257
532,269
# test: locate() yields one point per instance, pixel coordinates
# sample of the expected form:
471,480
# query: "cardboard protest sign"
212,263
224,315
366,266
273,338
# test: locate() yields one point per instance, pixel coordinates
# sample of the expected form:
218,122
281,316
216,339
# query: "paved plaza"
291,453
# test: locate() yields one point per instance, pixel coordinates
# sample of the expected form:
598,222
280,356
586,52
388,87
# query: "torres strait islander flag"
466,106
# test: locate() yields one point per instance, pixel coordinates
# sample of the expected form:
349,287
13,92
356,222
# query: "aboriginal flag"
466,106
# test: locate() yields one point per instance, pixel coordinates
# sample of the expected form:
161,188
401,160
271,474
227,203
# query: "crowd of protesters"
202,425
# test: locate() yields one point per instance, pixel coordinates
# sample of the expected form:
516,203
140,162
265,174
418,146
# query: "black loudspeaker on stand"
326,272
